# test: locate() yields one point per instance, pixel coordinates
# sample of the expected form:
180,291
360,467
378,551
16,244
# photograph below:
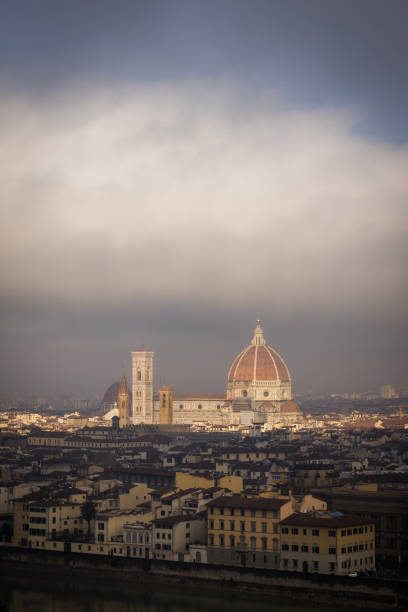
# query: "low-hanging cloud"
177,193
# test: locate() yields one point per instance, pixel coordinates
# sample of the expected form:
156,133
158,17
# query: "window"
343,550
343,532
253,526
332,533
232,541
275,528
305,548
332,566
264,543
295,563
100,525
221,539
242,525
315,565
304,531
332,550
295,530
285,530
211,539
232,525
315,532
285,546
263,513
315,549
211,524
295,547
221,524
253,543
253,513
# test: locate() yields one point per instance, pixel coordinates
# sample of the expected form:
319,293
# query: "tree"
88,512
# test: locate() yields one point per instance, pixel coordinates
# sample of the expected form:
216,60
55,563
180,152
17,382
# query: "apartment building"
327,543
245,531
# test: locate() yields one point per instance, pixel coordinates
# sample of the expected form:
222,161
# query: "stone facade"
142,386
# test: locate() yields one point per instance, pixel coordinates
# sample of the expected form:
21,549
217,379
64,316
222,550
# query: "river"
39,593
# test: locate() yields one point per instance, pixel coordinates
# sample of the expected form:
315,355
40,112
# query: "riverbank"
74,570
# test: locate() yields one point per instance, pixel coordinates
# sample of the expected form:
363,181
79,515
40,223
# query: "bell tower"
166,405
142,386
124,402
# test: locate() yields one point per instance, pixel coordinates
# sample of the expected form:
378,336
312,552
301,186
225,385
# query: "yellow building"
245,531
184,480
327,543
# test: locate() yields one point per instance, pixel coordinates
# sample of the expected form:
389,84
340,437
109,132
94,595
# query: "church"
258,392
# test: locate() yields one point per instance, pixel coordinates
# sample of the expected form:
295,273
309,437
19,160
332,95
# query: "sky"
172,171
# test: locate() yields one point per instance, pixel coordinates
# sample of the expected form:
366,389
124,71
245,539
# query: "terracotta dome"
111,394
290,408
258,362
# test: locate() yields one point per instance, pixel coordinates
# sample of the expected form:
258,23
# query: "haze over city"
170,172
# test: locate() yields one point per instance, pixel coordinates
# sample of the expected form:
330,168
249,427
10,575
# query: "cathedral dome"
111,394
258,362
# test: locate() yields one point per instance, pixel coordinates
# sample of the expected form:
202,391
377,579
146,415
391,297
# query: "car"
353,575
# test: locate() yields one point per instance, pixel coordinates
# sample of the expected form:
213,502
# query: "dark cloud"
318,52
